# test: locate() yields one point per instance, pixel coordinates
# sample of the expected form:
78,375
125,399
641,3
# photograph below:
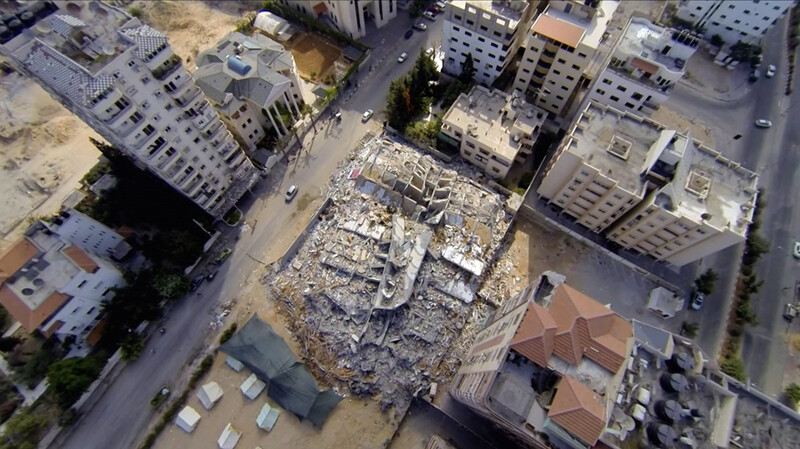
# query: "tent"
234,364
252,387
187,419
266,417
229,437
273,25
265,353
209,394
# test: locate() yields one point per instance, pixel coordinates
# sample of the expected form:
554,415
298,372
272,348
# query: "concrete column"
294,103
274,125
280,120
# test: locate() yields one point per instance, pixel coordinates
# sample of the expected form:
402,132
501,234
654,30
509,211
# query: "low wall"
284,260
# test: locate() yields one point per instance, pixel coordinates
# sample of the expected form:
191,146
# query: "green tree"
717,41
690,329
169,285
131,346
35,368
705,282
467,70
792,393
69,378
177,248
23,430
398,105
734,367
8,343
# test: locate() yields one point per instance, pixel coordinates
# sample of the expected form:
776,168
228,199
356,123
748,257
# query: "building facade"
523,369
122,78
352,17
252,81
491,32
649,189
559,49
644,66
89,235
733,20
492,129
53,286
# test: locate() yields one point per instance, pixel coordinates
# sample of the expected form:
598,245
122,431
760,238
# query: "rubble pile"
381,292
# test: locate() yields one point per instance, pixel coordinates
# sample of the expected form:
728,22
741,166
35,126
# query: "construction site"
381,289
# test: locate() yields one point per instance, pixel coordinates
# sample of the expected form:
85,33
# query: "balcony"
189,187
166,68
180,90
181,162
188,97
165,159
228,149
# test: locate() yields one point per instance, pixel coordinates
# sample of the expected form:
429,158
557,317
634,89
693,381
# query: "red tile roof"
16,257
30,318
80,258
645,66
535,335
559,30
578,410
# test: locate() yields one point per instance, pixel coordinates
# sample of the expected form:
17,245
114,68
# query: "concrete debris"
381,293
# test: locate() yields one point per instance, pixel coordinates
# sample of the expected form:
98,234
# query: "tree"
23,430
174,247
467,70
734,367
398,106
705,282
169,285
690,329
792,393
8,343
717,41
131,347
35,368
69,378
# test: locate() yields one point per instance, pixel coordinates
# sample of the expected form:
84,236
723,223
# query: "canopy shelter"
187,419
267,417
252,387
209,394
289,383
229,437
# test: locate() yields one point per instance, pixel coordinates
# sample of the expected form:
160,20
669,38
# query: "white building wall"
88,234
618,91
733,20
350,16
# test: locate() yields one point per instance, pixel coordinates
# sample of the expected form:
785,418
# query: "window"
148,130
570,77
483,28
82,284
145,80
600,92
622,88
470,22
457,17
562,61
606,81
636,96
630,105
480,39
575,67
614,98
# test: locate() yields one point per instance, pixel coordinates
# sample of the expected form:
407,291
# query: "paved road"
120,417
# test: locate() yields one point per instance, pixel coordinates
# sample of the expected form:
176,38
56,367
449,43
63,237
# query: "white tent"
234,364
252,387
273,25
209,394
267,417
187,419
229,437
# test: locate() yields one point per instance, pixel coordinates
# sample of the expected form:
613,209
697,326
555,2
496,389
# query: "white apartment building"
250,79
122,78
54,287
492,129
89,234
649,189
644,66
490,31
560,47
734,20
353,17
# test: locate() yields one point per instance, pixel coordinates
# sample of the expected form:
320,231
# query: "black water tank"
5,18
27,18
5,33
669,411
15,24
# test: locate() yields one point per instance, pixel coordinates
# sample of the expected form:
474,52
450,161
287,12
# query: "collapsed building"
381,290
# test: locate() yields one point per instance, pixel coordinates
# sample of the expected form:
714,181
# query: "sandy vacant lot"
313,54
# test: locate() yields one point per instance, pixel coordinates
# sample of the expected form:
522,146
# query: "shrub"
792,393
228,333
734,367
201,370
136,11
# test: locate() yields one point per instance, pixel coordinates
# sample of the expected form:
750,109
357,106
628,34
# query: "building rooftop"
578,409
705,185
494,118
572,30
646,40
511,10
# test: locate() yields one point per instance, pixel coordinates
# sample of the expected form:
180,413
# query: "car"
434,10
338,116
789,311
222,256
697,300
796,250
429,51
366,115
408,34
429,15
421,26
440,4
754,76
771,71
762,123
212,275
197,281
291,193
402,57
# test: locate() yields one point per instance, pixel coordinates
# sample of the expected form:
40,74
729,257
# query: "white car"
366,115
429,51
402,57
429,15
771,71
291,193
796,250
421,26
440,4
761,123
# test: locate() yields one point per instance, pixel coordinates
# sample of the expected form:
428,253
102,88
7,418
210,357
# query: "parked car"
754,75
697,300
197,281
789,311
366,115
429,52
771,71
408,34
796,250
434,10
403,57
338,116
291,193
429,15
421,26
440,4
762,123
222,256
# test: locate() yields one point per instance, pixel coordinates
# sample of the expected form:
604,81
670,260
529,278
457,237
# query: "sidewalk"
715,82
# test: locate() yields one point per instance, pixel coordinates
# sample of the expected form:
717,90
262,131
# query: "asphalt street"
120,418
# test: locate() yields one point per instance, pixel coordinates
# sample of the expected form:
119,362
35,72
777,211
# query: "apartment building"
252,81
89,235
122,78
492,129
353,18
561,46
550,363
646,63
54,287
491,32
733,20
649,189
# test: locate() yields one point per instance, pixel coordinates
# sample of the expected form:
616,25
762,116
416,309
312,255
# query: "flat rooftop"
510,10
705,187
645,40
483,109
565,27
41,279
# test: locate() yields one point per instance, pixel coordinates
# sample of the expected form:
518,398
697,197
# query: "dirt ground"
673,120
314,55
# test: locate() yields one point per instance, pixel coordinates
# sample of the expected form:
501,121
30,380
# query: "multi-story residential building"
550,363
122,78
54,287
353,18
649,189
89,234
561,46
644,66
492,129
733,20
490,31
250,80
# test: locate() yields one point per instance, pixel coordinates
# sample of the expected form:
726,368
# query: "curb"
714,97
